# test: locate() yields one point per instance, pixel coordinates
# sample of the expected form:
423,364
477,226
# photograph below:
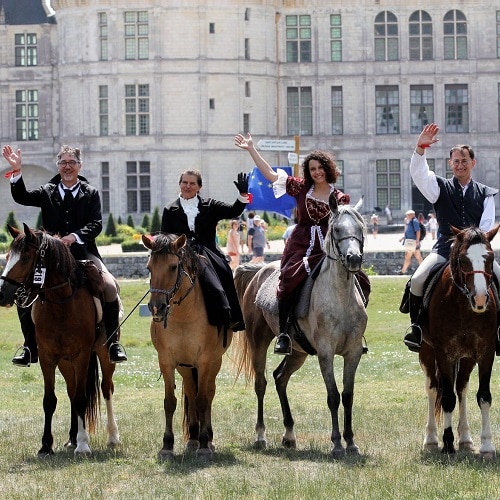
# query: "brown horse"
184,340
334,325
459,333
42,271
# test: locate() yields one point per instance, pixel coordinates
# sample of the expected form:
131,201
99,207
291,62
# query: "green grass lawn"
390,409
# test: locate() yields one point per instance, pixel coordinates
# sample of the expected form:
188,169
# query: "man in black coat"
197,218
71,208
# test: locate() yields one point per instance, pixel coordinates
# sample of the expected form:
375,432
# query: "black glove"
242,183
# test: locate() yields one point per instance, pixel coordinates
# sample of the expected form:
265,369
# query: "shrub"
145,222
133,246
130,221
110,226
156,221
11,221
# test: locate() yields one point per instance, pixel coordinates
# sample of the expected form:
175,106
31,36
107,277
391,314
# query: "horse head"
21,259
471,264
166,272
346,235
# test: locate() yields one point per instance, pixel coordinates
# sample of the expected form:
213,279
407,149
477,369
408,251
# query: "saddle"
430,284
92,277
267,300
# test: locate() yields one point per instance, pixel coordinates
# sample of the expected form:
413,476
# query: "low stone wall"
133,265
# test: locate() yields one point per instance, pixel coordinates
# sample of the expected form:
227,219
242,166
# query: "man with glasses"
71,208
460,202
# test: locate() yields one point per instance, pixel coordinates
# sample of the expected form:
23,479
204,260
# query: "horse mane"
163,244
342,210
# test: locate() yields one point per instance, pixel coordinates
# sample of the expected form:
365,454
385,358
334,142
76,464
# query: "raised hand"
243,142
242,183
13,158
428,135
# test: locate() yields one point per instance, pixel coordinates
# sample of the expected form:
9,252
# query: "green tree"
130,221
266,218
145,222
119,221
156,221
110,226
11,221
39,221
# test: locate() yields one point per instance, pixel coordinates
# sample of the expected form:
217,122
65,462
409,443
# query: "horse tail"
93,393
242,348
437,406
185,405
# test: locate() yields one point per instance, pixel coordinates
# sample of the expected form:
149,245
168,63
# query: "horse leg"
75,375
169,406
191,422
487,449
325,359
431,442
428,365
288,366
207,371
351,363
107,389
465,441
49,407
448,402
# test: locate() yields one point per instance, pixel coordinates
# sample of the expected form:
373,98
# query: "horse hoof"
204,454
113,443
352,449
338,453
68,445
166,456
488,455
192,446
84,452
432,447
260,444
44,454
289,443
211,446
466,446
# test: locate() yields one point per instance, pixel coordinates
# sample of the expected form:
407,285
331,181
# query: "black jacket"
84,218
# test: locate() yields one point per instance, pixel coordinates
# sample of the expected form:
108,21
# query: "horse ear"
455,229
30,235
147,241
332,201
179,242
492,232
14,232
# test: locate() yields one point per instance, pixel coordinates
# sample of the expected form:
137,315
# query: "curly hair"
327,162
65,149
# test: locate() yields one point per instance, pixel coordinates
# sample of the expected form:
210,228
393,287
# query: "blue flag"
263,196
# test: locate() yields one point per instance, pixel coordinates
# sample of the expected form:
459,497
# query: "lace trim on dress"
279,185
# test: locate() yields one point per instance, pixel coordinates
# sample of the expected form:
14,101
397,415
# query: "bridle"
170,293
461,283
337,253
28,292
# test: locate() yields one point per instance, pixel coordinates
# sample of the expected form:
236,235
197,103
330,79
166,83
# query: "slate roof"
24,12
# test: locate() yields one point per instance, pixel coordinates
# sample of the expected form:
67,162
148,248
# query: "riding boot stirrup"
283,344
413,337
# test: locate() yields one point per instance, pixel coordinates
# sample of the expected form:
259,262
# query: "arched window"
386,37
420,30
455,35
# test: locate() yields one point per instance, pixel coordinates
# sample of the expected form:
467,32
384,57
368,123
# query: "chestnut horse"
185,341
41,271
460,332
335,325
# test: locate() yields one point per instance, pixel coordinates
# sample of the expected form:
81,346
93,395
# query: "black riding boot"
111,320
29,351
284,342
413,339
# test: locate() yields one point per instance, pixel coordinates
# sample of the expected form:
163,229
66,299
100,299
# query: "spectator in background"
433,225
241,231
388,214
288,230
233,245
411,241
374,221
421,220
257,241
250,218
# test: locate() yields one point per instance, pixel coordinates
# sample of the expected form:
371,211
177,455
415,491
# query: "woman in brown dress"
304,249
